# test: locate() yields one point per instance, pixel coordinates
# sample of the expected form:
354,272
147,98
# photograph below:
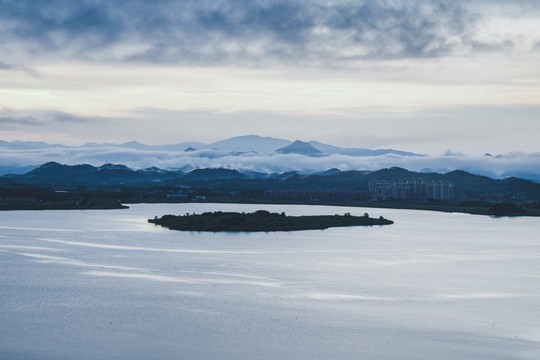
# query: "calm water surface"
106,284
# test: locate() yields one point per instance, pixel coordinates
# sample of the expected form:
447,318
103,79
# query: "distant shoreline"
26,204
438,207
112,204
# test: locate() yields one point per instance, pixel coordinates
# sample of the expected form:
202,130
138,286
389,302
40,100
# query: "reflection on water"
88,284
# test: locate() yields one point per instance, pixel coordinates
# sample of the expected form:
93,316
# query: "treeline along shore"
57,186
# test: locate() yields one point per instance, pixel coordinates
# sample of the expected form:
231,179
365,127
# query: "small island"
262,220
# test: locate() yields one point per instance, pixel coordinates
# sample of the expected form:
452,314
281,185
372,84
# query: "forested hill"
56,175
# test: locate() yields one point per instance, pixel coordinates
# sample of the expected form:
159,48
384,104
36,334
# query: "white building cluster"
411,190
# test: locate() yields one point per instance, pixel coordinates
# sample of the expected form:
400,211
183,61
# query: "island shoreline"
262,221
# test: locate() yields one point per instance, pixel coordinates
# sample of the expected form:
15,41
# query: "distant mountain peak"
299,147
248,143
50,164
110,166
331,171
154,170
132,143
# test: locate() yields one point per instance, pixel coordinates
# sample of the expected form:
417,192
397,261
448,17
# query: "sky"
422,76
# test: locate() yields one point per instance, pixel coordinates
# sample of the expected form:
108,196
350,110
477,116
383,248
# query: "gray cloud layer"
44,118
18,67
236,31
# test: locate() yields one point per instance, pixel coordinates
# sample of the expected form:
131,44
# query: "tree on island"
506,209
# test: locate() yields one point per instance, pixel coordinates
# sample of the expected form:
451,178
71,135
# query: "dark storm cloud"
417,29
18,67
42,24
14,118
218,32
8,120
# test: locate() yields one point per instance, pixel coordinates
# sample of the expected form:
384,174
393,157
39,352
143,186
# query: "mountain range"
242,144
261,155
18,157
53,175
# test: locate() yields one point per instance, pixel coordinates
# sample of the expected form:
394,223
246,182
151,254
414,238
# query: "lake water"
106,284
